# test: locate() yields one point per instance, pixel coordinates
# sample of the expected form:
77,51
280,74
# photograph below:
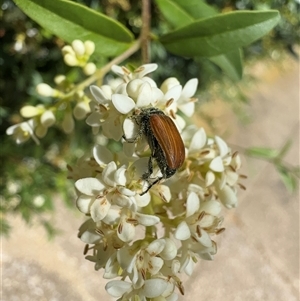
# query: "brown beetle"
165,142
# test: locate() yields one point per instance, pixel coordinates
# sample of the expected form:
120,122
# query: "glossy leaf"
174,14
220,34
180,12
69,21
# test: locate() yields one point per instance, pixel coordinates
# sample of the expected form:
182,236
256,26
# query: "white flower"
151,288
139,261
23,131
140,72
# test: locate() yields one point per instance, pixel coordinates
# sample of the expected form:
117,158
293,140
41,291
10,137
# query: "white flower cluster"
41,117
146,241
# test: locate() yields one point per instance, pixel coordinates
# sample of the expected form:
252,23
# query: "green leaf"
173,13
220,34
69,21
287,178
197,9
262,152
285,149
181,12
231,63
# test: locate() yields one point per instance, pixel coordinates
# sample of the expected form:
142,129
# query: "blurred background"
258,257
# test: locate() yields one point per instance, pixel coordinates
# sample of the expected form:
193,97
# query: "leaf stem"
145,32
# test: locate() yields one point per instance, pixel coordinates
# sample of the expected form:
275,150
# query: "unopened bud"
81,110
70,59
44,90
68,123
89,47
47,119
78,47
29,111
89,69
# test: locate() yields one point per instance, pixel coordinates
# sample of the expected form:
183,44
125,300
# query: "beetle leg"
150,185
133,140
147,174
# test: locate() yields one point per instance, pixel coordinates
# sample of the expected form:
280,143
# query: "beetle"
165,142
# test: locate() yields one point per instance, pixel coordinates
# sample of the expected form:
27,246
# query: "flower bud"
41,131
78,47
59,79
70,60
68,50
89,69
30,111
68,123
133,88
169,83
89,47
47,119
44,90
81,110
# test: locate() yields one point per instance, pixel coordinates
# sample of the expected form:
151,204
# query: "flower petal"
198,141
112,216
190,88
156,246
109,173
120,176
89,237
154,265
126,231
99,95
154,287
83,203
204,239
121,200
227,197
183,231
170,251
146,219
209,178
211,207
222,146
145,96
187,109
192,204
102,155
89,186
117,288
173,93
217,164
99,209
123,103
143,200
130,129
93,119
145,69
